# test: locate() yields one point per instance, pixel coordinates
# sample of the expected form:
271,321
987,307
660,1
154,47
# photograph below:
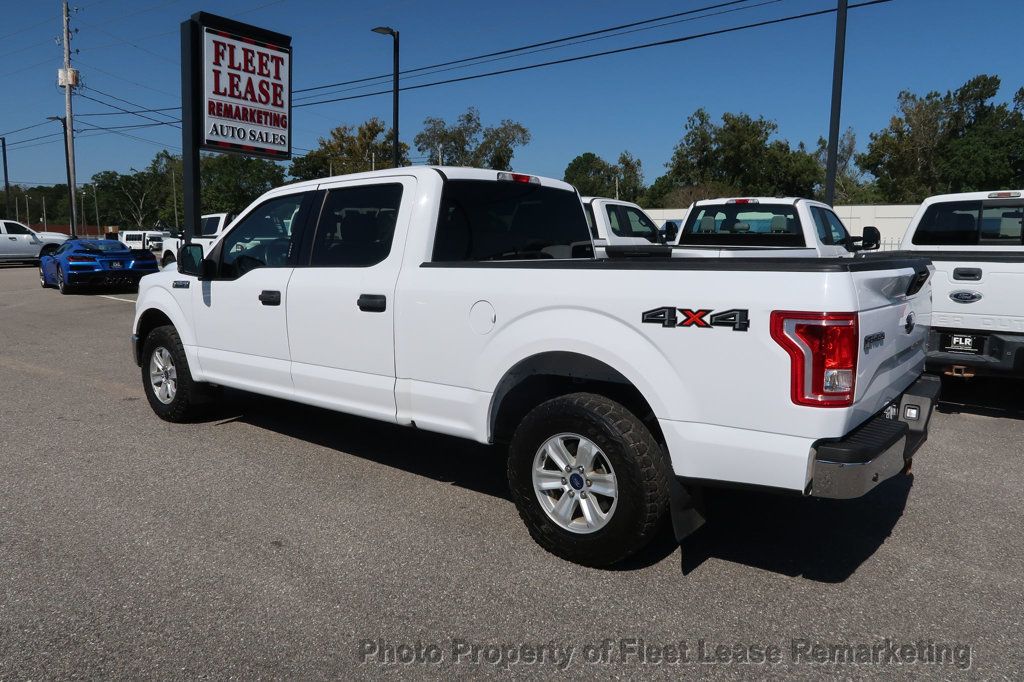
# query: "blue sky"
637,101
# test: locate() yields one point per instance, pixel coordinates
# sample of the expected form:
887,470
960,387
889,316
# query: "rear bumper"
876,450
108,277
1001,355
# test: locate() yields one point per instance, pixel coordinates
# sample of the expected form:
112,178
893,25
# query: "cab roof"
449,172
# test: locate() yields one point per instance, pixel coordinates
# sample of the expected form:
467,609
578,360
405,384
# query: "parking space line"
115,298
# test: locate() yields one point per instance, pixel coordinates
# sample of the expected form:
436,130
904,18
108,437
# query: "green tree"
349,149
591,175
851,185
466,142
956,142
231,182
631,177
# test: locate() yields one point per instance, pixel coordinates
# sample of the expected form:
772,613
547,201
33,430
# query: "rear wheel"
166,377
588,478
42,277
62,285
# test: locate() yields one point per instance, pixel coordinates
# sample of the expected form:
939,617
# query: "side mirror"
872,238
671,231
191,262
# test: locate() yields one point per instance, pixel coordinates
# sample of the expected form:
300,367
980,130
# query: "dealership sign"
247,88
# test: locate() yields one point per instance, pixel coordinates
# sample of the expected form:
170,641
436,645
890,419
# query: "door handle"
968,274
13,239
372,303
268,297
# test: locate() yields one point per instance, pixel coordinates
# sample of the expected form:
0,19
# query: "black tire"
641,469
189,395
63,286
168,259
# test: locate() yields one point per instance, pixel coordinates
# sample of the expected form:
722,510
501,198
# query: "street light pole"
396,153
832,160
7,180
96,205
67,165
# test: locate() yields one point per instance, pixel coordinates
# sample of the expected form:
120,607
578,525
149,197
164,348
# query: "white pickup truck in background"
975,242
211,226
20,243
469,302
620,223
758,227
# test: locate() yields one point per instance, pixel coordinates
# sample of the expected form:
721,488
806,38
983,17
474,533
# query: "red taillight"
81,259
742,201
823,352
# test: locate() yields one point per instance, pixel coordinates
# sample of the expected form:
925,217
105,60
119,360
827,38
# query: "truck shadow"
990,397
821,540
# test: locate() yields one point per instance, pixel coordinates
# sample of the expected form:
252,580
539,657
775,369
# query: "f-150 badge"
702,318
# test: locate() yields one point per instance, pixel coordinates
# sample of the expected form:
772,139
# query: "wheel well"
150,320
48,249
549,375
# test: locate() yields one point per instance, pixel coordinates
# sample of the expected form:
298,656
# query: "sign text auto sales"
247,95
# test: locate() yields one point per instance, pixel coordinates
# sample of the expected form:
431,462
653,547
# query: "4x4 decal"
703,318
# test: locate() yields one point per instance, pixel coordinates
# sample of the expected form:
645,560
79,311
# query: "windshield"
103,246
483,220
743,225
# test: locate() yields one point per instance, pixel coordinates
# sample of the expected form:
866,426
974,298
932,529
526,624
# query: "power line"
11,132
125,113
592,55
526,47
126,101
134,137
122,109
554,47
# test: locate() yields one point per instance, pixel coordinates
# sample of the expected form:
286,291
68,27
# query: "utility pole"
44,213
67,166
832,160
28,215
616,186
174,198
82,212
69,78
7,180
96,204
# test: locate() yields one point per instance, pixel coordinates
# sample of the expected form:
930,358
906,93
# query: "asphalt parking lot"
279,540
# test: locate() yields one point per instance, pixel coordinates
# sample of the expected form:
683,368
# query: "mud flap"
687,508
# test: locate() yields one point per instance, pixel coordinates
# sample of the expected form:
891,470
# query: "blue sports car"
94,262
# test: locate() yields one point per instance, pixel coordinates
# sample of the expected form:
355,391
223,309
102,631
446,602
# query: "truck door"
18,242
341,308
239,317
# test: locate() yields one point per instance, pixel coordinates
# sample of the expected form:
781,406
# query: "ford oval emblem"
964,296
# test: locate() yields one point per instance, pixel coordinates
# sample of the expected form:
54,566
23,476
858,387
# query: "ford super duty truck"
469,302
974,240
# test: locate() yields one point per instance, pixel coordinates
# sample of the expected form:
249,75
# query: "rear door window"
743,225
482,220
357,226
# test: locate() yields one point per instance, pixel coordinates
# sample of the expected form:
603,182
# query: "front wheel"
166,377
588,478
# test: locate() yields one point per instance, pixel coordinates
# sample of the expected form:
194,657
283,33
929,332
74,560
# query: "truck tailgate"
982,295
895,313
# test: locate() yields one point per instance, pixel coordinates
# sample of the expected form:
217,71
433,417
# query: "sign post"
236,97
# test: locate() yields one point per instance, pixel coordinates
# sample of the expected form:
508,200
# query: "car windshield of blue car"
103,246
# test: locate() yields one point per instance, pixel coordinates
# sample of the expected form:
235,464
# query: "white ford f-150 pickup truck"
468,302
975,242
759,227
210,227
